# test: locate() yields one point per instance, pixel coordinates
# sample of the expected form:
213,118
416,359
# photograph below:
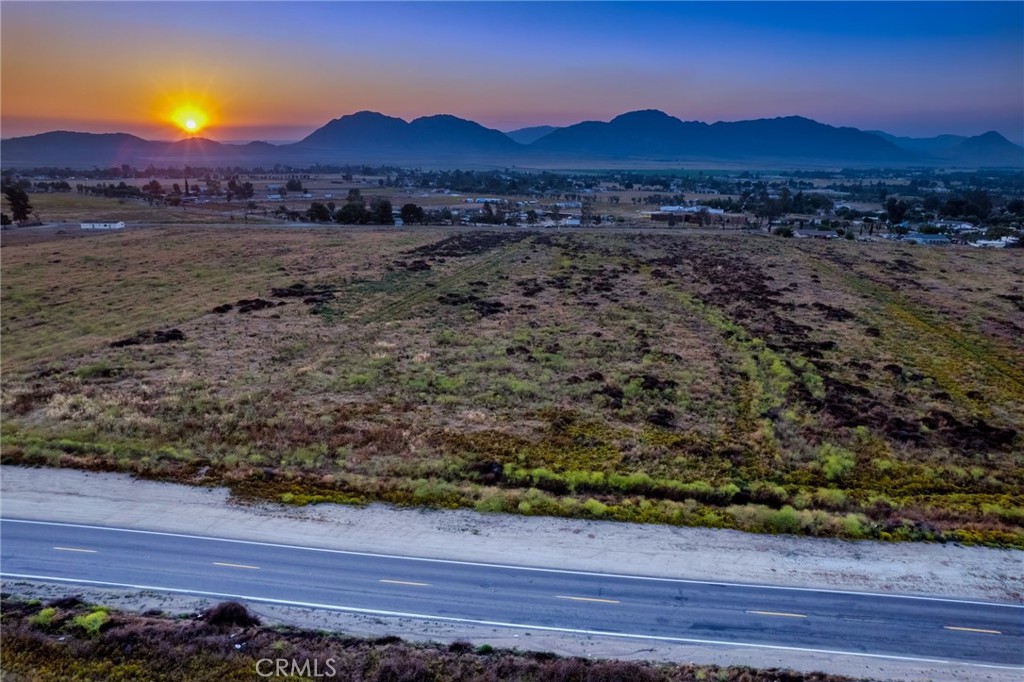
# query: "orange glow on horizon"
190,118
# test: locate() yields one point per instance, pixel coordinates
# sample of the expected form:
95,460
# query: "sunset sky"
276,71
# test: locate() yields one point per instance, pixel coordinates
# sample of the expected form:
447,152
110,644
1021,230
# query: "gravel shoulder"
689,553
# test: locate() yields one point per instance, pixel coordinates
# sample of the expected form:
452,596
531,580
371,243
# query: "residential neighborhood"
930,208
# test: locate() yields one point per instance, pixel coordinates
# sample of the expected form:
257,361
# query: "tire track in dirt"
447,283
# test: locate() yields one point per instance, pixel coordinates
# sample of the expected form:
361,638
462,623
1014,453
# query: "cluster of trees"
379,211
121,190
972,205
497,216
127,172
766,205
153,191
241,190
498,183
39,186
55,186
355,211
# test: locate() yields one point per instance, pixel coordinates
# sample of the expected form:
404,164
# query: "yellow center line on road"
227,565
981,630
594,599
781,614
75,549
404,582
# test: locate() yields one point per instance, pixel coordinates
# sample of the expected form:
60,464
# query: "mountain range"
443,140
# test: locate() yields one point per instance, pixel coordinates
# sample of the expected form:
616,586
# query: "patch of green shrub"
491,503
595,508
785,520
855,526
832,498
836,462
521,388
446,337
97,370
93,621
44,618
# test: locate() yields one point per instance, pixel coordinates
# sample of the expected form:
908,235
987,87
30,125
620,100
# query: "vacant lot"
74,208
856,390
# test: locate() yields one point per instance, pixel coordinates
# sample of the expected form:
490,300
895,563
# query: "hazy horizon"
277,71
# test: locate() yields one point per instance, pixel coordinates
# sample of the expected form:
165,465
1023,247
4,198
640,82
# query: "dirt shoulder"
665,551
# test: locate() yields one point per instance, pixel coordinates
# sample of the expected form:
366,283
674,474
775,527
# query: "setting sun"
190,118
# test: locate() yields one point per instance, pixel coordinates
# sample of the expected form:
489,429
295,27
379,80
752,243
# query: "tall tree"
411,213
19,203
380,211
352,214
318,213
896,209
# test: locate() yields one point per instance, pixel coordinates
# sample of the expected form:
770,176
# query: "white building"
692,209
1000,243
97,225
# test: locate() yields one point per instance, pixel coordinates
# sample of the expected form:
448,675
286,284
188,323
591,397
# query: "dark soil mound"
248,305
146,337
230,613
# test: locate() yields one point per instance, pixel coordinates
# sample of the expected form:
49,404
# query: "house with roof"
929,239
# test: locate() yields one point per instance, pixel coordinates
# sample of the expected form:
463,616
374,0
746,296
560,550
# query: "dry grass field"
74,208
753,382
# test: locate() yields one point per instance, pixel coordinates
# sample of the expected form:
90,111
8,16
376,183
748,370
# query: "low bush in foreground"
133,647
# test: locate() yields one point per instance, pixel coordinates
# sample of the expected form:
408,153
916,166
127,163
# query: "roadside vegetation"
835,389
227,642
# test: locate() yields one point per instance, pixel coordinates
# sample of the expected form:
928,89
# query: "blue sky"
269,70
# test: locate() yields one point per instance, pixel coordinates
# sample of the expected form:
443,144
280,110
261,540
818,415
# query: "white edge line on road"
403,582
495,623
226,564
537,569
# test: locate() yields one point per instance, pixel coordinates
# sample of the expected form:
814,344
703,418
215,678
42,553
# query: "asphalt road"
529,598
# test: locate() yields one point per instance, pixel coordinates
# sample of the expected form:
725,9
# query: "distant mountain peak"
446,120
368,114
368,134
442,117
992,136
641,115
